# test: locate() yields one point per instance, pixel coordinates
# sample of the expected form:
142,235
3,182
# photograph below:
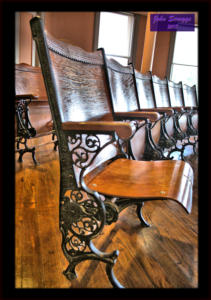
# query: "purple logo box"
172,22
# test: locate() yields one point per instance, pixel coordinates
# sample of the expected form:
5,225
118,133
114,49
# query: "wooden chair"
177,100
97,181
191,103
124,99
162,99
146,99
179,132
33,114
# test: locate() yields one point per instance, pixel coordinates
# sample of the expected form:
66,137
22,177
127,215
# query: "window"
115,35
184,66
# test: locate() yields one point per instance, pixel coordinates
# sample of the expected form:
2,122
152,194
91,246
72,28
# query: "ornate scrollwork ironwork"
25,130
83,147
112,212
82,212
24,127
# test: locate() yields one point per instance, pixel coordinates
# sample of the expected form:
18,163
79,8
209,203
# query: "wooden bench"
31,96
97,180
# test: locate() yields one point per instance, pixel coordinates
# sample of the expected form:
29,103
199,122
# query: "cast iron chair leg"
55,145
108,258
112,256
115,283
23,151
140,216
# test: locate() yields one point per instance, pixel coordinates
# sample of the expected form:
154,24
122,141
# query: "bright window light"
185,59
186,48
115,35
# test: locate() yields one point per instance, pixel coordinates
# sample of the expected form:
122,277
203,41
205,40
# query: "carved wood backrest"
29,80
77,91
160,87
122,85
190,95
175,93
80,80
145,90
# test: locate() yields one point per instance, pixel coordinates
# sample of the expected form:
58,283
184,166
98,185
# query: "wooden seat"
145,180
97,180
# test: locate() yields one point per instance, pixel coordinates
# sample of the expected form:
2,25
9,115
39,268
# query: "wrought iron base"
22,151
165,141
140,216
25,150
182,148
25,130
95,254
56,143
77,245
151,151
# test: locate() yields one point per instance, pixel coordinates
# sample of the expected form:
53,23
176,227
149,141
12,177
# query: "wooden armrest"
25,96
123,129
189,108
178,108
167,110
152,116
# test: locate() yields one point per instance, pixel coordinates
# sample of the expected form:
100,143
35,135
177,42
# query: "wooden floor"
162,256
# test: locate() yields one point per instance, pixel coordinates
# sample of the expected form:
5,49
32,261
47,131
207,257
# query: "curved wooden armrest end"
178,109
161,110
151,115
26,96
124,130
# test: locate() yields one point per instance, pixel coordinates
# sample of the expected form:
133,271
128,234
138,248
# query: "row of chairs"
133,91
144,93
100,150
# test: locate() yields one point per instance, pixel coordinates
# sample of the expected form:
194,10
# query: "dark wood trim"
96,31
171,53
134,42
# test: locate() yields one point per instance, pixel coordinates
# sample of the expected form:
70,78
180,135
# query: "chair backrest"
175,93
80,78
122,86
29,80
145,90
161,93
190,95
77,91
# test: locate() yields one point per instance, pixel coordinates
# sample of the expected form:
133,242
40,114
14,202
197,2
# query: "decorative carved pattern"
73,52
